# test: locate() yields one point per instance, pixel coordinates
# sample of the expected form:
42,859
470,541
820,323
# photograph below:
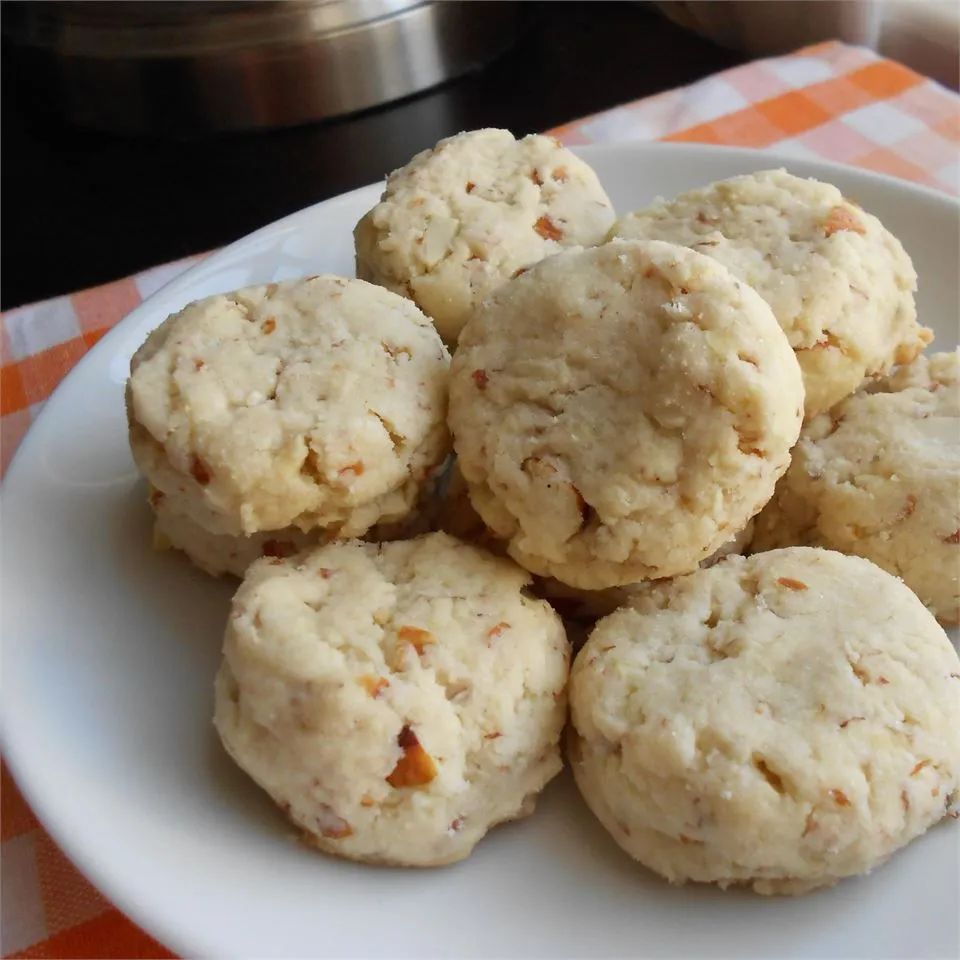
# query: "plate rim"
97,869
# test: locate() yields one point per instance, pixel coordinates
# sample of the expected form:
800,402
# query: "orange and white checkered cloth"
830,101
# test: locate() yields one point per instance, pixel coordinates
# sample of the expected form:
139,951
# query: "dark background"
81,208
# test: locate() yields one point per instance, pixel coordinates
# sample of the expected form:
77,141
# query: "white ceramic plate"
109,650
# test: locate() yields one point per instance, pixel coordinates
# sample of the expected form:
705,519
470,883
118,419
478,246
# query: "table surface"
76,213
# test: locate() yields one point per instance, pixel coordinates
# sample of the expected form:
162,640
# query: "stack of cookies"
634,404
277,417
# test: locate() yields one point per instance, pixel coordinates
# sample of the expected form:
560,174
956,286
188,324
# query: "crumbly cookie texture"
767,722
588,606
396,700
879,476
220,554
839,283
460,219
308,403
619,413
457,517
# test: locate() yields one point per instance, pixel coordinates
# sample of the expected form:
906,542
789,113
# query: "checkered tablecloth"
830,101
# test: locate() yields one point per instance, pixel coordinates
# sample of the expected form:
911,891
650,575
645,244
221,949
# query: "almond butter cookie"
461,218
620,413
879,476
839,283
780,721
309,403
396,700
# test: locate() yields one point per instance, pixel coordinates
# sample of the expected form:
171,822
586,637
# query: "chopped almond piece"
418,638
560,174
919,767
416,767
332,826
355,468
471,186
791,584
841,218
374,685
908,507
747,443
339,832
548,229
840,798
278,548
859,672
198,364
200,471
827,340
395,352
367,801
269,325
497,630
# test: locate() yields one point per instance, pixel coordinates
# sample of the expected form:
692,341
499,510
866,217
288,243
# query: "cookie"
879,476
619,413
780,721
588,606
839,283
457,517
308,403
460,219
220,554
396,700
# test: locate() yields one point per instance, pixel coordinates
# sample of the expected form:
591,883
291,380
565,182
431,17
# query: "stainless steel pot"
188,66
